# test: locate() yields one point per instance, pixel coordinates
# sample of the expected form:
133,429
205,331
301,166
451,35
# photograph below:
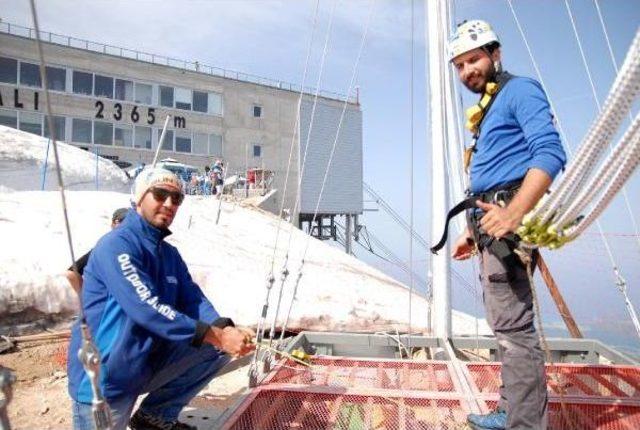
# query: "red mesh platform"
585,416
343,393
276,409
378,374
585,381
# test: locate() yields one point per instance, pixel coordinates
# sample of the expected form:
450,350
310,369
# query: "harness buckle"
500,195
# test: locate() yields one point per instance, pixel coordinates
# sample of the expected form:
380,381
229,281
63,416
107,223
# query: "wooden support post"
565,313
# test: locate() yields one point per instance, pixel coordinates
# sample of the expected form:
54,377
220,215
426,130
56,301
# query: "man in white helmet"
514,155
155,330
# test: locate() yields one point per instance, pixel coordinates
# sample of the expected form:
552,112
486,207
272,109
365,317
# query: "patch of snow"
23,155
230,261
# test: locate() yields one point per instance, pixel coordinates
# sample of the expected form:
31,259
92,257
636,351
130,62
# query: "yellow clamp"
534,232
301,355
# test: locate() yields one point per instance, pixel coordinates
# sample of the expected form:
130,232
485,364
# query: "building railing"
194,66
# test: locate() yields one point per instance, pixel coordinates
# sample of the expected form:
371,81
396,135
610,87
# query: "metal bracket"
90,359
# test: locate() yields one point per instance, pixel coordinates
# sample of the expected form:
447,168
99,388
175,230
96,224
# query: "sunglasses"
161,194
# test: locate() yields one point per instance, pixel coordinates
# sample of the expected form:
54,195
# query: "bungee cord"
284,271
88,354
333,149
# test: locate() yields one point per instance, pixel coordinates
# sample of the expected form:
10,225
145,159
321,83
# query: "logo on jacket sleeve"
144,293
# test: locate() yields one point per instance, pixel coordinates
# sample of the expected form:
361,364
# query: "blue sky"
269,38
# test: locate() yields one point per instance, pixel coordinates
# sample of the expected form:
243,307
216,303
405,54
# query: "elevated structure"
361,381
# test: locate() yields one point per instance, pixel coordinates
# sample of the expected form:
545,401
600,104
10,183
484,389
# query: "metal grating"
585,381
345,393
276,409
586,416
380,374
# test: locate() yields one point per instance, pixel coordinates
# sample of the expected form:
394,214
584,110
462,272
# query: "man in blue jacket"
155,330
515,154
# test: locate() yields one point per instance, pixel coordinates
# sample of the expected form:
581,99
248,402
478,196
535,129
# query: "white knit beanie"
153,176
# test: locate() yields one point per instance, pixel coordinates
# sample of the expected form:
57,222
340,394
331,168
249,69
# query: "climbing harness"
502,248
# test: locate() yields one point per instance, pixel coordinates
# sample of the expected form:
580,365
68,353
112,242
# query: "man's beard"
490,76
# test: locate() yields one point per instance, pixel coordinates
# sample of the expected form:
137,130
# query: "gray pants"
509,308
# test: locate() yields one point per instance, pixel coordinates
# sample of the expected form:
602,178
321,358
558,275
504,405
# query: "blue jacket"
137,295
516,135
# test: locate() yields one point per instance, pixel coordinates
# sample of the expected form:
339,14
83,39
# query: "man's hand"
498,221
464,247
235,341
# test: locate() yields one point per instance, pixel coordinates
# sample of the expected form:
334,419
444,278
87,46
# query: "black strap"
462,206
509,189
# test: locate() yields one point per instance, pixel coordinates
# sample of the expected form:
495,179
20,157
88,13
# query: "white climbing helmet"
471,35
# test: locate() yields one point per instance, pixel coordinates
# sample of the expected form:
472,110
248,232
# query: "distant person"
156,331
138,169
207,180
220,180
75,278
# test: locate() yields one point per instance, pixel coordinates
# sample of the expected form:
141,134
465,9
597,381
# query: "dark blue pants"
181,372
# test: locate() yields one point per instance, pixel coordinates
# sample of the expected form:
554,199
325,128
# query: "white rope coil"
603,176
559,218
625,89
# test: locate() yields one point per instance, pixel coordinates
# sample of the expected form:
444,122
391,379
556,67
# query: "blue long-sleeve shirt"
137,294
516,135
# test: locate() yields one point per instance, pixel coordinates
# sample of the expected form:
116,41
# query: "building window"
257,151
82,83
166,96
81,130
56,79
167,143
215,144
215,103
9,118
58,125
30,74
142,137
143,93
183,141
102,133
104,86
8,70
257,111
123,136
183,98
200,101
31,123
200,144
124,90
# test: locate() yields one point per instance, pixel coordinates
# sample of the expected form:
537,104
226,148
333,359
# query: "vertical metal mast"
436,33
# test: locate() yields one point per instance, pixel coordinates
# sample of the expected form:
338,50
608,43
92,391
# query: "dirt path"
40,399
